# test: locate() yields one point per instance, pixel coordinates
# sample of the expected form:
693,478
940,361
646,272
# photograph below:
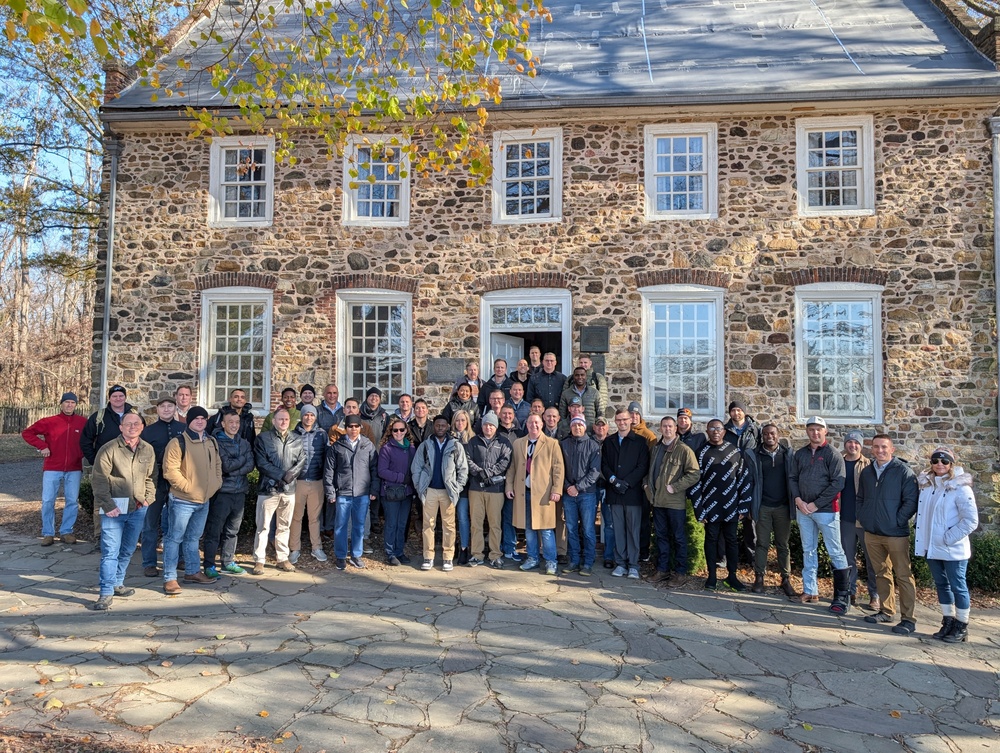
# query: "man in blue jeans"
350,481
123,486
192,466
582,459
158,434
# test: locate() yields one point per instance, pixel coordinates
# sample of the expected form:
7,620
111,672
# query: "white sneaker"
294,556
427,565
619,572
319,555
633,573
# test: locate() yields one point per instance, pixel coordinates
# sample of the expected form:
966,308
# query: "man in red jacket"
57,439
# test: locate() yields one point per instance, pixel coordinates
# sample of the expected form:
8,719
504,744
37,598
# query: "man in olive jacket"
124,485
673,469
887,499
280,458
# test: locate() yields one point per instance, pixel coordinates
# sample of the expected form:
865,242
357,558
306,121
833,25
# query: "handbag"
394,493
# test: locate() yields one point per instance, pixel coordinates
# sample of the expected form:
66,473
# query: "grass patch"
13,449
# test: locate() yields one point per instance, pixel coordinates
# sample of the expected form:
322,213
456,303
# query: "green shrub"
86,500
249,526
984,567
696,543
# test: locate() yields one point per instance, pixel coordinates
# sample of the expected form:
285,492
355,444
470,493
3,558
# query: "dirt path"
21,481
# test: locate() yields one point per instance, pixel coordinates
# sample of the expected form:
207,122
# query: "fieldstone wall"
929,243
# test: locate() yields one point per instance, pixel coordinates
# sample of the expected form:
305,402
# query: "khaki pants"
280,505
434,500
560,529
490,505
892,554
308,499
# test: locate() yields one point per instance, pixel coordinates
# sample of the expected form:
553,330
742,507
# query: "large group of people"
530,451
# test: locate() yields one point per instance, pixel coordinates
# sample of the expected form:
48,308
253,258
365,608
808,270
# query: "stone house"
786,203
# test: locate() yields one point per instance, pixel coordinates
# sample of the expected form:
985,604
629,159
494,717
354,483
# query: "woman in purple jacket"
396,451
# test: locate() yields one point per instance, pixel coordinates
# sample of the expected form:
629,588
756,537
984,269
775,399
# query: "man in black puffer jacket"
225,512
280,458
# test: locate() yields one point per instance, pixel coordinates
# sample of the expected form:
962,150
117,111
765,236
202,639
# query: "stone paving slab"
476,660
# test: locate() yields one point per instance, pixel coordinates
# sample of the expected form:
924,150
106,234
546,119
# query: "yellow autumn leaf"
895,714
97,684
54,703
263,714
220,637
335,675
806,726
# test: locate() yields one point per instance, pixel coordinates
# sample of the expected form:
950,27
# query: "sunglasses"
399,431
943,459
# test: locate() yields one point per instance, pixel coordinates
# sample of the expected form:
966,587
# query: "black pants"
727,530
225,516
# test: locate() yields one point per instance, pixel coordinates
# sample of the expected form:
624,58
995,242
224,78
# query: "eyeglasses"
943,459
399,430
716,428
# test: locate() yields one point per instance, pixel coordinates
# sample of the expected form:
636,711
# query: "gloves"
621,486
289,477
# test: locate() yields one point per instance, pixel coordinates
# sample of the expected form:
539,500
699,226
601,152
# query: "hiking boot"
758,584
151,572
788,588
286,566
258,568
48,540
103,603
68,538
659,576
945,628
171,587
123,591
959,633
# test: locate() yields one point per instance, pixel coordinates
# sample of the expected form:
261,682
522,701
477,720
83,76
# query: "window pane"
683,356
839,357
374,358
238,358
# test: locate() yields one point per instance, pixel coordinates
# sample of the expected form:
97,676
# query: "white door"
507,347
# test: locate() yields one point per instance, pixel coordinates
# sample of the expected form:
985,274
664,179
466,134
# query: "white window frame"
524,297
865,125
656,294
707,131
374,296
350,216
831,292
500,140
216,216
230,296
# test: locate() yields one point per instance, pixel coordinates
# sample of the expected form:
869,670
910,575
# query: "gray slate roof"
663,52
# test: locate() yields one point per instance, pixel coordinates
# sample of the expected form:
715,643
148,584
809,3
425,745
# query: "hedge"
983,573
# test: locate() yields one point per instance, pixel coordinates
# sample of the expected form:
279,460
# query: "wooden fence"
16,418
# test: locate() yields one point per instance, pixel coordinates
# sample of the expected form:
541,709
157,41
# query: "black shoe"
395,561
403,559
878,617
946,625
959,633
341,564
497,564
608,564
711,585
735,584
124,591
906,627
758,584
562,559
357,562
463,556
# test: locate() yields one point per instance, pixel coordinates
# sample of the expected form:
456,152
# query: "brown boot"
68,538
758,584
787,588
171,587
658,576
198,578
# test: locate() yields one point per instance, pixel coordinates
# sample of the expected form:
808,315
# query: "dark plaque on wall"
594,339
444,370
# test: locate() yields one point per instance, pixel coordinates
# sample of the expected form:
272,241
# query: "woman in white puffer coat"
946,515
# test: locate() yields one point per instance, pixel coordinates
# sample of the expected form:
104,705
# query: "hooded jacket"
248,428
887,502
749,438
192,467
314,445
454,467
237,461
946,515
351,471
489,460
376,420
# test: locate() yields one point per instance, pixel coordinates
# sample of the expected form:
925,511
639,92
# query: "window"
835,165
241,176
236,344
681,164
682,349
527,175
838,351
379,193
374,342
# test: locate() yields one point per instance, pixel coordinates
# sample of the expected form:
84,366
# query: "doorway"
512,321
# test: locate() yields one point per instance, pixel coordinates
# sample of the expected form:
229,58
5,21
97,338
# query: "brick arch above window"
374,281
515,280
236,280
813,275
684,276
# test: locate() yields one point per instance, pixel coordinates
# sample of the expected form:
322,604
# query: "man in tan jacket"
193,468
535,482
